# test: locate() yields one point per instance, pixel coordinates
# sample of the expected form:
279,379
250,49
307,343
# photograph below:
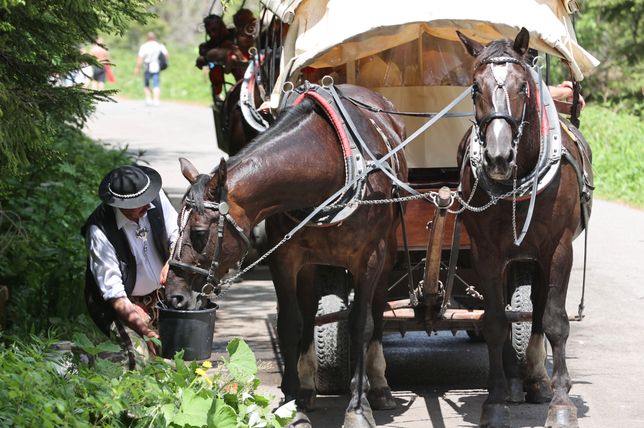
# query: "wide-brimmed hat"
130,186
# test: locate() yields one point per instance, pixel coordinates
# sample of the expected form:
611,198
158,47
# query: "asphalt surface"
437,381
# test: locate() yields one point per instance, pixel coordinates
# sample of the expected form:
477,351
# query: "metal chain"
227,283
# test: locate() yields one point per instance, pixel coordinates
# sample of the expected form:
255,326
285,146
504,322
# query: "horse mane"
284,122
197,192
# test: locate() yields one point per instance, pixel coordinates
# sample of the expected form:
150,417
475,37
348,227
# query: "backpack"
163,61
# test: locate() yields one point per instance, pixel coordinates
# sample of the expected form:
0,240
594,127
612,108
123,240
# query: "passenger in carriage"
245,33
213,53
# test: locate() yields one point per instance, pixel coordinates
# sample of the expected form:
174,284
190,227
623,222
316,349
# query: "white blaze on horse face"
500,72
306,368
376,366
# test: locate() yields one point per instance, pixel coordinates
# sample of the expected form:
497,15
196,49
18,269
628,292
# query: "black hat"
130,186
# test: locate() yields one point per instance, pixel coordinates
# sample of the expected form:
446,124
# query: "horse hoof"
562,417
538,392
300,421
359,419
305,399
515,391
381,399
495,416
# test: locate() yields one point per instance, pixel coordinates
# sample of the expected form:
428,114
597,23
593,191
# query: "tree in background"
39,49
612,31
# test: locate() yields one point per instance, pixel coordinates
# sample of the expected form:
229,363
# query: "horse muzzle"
499,166
179,294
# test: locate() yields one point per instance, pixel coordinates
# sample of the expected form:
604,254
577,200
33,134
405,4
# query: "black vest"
104,218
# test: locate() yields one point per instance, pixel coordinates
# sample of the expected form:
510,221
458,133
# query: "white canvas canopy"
328,33
426,66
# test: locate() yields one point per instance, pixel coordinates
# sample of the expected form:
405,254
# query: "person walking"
98,51
129,237
148,58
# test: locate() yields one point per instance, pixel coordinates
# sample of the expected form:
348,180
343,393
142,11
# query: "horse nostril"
487,158
177,301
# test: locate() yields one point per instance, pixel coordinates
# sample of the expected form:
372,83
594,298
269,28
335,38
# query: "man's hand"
150,344
134,317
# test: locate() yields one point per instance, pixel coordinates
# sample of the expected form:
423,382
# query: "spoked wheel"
332,340
520,301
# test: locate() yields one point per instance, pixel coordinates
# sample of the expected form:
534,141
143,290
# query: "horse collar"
354,159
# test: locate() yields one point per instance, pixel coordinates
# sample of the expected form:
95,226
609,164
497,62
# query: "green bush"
617,145
43,256
48,389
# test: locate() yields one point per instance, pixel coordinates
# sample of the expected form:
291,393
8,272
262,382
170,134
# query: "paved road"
440,380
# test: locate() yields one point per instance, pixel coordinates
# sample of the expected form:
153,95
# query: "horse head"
210,240
501,89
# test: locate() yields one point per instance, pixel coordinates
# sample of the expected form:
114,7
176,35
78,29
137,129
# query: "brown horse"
296,164
511,151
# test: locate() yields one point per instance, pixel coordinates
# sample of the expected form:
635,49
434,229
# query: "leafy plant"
43,262
47,388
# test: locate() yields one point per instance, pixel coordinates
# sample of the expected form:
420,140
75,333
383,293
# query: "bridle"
499,71
212,284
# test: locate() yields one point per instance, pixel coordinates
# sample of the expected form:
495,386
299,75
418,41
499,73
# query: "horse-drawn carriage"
340,183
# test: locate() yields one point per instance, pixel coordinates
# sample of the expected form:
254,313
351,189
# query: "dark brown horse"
500,158
296,164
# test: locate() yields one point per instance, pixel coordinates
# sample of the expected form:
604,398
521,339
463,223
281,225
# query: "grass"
618,153
615,138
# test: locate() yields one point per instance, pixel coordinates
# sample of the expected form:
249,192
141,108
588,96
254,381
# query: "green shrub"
49,389
617,144
42,259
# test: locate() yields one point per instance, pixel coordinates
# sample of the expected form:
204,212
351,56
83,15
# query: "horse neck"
296,169
529,145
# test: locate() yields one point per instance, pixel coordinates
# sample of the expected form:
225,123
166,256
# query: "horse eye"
199,238
524,88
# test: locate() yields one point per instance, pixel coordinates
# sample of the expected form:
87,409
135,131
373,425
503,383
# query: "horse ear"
522,41
218,180
188,170
222,173
472,46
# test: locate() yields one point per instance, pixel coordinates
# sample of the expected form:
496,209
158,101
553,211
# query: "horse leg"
515,393
495,412
307,362
359,412
561,412
379,395
536,381
289,323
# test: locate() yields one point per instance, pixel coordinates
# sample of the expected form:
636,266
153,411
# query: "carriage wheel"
332,340
520,301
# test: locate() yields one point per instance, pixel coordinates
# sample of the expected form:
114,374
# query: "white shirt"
103,261
150,51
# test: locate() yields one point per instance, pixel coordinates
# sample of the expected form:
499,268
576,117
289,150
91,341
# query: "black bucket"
191,331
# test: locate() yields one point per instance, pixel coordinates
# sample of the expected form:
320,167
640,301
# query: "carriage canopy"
409,52
328,33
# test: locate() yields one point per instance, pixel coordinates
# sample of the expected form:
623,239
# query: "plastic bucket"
191,331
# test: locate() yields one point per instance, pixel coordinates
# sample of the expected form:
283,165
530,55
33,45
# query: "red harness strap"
337,122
